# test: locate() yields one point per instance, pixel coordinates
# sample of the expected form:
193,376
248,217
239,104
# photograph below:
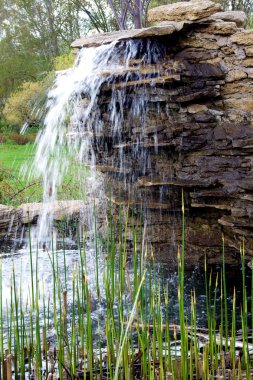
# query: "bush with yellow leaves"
25,104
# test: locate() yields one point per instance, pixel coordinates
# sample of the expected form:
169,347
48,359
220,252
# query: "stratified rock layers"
9,220
201,139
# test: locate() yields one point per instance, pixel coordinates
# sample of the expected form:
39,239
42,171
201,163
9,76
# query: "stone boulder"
197,134
106,38
249,51
235,75
239,17
184,11
243,104
244,37
9,219
219,27
29,212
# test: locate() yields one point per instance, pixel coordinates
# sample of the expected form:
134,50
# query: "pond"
88,289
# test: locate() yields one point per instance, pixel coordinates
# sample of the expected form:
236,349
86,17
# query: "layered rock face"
12,220
9,220
197,133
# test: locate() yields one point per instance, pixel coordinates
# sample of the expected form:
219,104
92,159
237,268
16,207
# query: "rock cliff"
197,134
201,139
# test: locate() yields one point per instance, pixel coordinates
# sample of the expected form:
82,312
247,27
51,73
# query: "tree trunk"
138,14
53,34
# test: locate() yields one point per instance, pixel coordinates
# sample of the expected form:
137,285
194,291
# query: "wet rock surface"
30,212
9,220
198,136
106,38
13,219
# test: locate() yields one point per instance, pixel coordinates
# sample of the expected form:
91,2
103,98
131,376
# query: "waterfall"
95,104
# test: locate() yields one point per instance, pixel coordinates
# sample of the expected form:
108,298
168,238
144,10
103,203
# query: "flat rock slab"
5,211
107,38
239,17
219,27
29,212
244,37
184,11
172,18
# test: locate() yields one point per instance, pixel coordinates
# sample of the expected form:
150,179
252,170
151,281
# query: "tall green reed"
134,330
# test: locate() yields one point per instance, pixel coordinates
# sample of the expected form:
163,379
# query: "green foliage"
19,63
64,61
136,310
32,34
23,104
98,15
17,187
5,128
2,139
250,21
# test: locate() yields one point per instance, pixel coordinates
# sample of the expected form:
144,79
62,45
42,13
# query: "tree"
246,6
26,105
98,14
18,64
240,5
32,34
129,13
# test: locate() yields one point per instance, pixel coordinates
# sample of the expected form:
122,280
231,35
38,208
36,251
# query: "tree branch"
112,5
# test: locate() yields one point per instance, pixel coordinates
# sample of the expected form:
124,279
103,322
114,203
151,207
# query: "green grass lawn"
13,156
15,188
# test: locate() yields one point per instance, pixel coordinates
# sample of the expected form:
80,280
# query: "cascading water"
78,122
90,108
103,113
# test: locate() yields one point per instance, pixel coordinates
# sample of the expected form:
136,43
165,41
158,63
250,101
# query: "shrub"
4,127
19,139
64,61
23,105
31,137
2,139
